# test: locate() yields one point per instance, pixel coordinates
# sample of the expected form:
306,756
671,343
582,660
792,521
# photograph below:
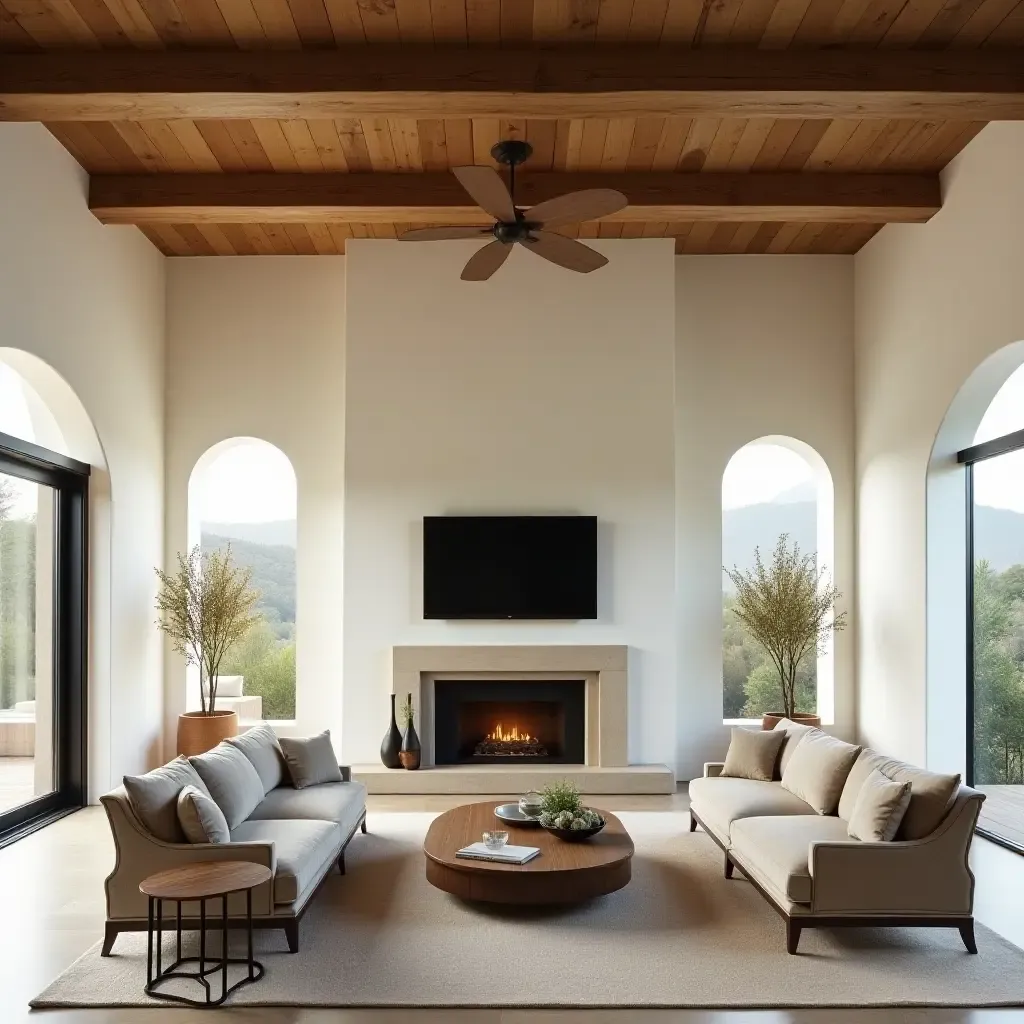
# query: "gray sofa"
815,875
299,834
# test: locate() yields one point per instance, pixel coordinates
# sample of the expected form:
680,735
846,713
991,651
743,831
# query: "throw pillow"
818,768
311,761
793,732
260,746
931,793
154,797
231,780
752,754
201,819
879,809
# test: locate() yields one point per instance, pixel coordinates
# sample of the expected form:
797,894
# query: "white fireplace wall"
540,391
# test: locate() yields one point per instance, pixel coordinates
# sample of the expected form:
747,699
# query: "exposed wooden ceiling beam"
621,82
437,198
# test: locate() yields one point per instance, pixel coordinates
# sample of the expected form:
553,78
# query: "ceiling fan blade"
486,261
440,234
566,252
487,190
589,204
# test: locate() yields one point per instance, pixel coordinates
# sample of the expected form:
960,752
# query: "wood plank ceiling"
564,144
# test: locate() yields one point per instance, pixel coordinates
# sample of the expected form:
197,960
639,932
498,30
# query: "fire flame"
511,735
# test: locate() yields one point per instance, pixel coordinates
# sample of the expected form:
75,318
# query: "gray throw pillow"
752,754
818,768
201,819
260,746
879,809
231,780
310,761
154,797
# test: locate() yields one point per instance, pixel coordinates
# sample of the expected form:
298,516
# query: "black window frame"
69,480
968,458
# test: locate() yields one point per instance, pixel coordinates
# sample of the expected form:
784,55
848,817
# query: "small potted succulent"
563,814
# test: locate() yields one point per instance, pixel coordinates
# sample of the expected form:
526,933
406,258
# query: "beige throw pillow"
752,754
881,804
931,793
793,732
818,768
201,819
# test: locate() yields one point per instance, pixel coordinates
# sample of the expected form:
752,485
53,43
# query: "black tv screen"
510,567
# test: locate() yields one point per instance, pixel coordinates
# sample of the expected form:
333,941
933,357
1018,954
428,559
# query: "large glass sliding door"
42,635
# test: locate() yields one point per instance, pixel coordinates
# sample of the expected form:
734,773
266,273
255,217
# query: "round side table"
207,880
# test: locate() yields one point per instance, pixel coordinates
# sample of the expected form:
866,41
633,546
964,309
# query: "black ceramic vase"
391,746
410,752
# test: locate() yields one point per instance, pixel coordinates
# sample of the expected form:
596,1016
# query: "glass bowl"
495,839
531,804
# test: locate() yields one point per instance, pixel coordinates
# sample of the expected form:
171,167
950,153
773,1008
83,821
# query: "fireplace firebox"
509,721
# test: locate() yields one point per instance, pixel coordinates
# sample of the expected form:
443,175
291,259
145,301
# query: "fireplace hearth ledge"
513,780
604,668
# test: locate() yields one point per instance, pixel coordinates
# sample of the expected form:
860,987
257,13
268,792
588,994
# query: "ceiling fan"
529,228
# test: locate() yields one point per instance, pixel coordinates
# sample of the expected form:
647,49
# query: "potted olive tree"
205,607
788,607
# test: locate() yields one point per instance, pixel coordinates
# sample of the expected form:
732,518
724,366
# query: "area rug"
679,935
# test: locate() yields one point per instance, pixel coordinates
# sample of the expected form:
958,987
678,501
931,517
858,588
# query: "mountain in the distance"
280,531
998,532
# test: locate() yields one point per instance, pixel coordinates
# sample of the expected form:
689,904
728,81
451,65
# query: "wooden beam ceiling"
438,198
531,83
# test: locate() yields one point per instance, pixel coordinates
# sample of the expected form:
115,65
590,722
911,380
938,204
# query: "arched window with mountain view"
242,496
773,488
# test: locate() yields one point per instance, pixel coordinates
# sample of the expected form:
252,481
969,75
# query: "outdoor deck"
16,781
1002,813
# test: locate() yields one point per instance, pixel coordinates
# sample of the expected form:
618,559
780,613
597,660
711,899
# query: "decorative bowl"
573,835
495,839
511,815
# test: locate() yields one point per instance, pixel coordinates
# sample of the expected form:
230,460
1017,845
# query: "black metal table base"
219,964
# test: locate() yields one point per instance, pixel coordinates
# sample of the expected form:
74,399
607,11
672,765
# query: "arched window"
772,487
43,497
995,700
242,495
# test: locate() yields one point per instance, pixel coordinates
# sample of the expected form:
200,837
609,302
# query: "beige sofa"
815,876
299,834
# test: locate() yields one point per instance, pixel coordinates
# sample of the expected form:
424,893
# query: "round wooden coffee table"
562,873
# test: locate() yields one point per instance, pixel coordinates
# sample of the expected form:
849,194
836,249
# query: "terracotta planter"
198,732
771,719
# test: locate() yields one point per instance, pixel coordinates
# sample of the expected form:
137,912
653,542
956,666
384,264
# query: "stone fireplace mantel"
604,669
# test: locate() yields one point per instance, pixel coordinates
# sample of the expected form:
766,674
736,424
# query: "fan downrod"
511,152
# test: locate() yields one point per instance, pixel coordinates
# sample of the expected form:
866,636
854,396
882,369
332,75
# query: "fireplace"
509,721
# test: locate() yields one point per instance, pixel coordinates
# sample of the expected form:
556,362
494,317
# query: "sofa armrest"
346,772
712,769
139,854
928,876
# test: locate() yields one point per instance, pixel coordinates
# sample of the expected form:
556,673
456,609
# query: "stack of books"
503,855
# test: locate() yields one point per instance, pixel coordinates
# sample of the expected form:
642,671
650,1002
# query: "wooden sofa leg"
291,934
693,823
362,825
110,933
341,863
792,935
967,934
728,867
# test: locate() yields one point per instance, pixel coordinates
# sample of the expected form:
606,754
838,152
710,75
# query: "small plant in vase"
409,754
563,814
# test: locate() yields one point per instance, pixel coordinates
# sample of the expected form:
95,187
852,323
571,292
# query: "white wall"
89,301
935,304
765,346
540,391
388,383
256,347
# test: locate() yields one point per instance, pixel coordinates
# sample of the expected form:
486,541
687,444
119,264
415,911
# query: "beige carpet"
679,935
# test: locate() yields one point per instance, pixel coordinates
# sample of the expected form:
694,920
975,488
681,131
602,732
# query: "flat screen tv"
510,567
